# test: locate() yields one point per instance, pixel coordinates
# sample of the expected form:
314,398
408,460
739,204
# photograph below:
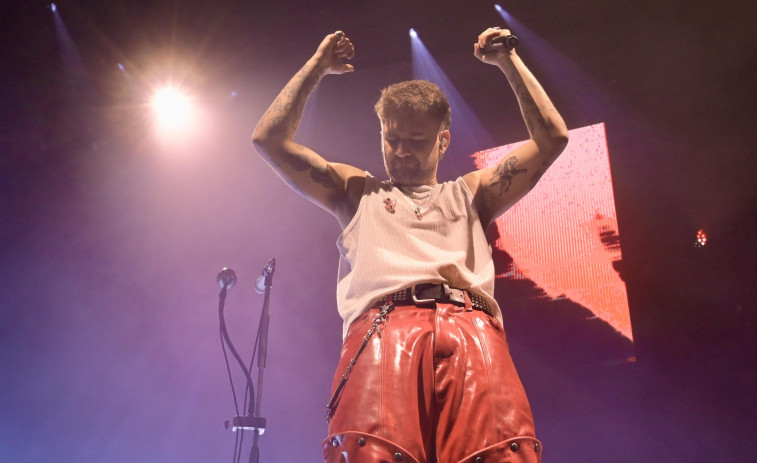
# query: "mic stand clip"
246,423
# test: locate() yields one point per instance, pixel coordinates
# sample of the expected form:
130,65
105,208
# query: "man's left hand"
488,54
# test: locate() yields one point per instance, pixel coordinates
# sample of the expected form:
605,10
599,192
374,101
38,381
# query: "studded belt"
429,293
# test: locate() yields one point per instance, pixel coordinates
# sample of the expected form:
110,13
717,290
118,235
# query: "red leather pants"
433,385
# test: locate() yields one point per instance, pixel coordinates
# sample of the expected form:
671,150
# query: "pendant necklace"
417,208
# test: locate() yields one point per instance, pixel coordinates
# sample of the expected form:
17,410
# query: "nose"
401,151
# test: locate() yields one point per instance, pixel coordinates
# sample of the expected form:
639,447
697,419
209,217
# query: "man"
425,373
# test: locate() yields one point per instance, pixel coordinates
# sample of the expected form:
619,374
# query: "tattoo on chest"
504,173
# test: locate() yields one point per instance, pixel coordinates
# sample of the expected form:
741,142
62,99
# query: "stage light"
413,34
172,109
701,238
53,8
121,67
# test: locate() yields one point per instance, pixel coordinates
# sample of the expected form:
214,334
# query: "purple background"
109,347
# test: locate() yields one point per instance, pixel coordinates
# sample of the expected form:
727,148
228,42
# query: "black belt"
429,293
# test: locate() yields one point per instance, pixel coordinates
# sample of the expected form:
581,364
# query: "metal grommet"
361,442
536,447
514,446
335,442
397,456
479,460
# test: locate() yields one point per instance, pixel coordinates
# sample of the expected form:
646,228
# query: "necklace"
417,207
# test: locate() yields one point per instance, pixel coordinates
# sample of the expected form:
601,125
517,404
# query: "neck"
431,182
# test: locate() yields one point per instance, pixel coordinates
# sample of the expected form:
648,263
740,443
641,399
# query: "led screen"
563,235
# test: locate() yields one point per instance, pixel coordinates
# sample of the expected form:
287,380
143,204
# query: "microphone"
268,270
226,278
508,41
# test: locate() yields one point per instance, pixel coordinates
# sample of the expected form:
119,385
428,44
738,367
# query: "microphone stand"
262,351
252,421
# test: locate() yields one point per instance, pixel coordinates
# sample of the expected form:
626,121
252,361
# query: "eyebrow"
412,134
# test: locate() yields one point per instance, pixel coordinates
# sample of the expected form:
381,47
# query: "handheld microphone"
508,41
226,278
268,270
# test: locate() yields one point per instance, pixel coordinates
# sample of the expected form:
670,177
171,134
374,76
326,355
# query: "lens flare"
172,109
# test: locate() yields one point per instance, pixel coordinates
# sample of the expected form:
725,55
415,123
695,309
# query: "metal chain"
380,318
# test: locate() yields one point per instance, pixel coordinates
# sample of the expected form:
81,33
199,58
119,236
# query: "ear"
444,138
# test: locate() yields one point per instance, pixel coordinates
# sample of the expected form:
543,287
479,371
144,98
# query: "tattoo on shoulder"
504,173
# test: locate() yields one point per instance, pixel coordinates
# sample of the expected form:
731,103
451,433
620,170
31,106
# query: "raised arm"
499,187
335,187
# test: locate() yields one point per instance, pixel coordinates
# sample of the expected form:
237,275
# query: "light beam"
469,134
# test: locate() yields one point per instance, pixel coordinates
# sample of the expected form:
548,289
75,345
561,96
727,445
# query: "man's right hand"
335,187
331,53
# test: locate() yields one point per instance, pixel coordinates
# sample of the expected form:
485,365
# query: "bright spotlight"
53,8
413,34
172,109
498,7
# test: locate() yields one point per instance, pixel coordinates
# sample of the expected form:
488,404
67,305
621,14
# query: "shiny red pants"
433,385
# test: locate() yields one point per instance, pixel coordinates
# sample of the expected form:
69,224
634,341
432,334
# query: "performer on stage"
425,373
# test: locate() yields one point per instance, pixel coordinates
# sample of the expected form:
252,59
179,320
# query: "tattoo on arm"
538,174
281,121
322,176
535,120
504,173
284,114
300,162
533,114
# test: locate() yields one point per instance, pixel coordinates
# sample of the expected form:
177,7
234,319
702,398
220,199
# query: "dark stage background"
111,239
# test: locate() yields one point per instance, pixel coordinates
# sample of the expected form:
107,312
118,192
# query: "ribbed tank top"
385,247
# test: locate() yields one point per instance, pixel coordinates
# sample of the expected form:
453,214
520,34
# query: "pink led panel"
563,235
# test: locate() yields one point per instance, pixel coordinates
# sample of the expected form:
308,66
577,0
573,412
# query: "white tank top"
386,247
